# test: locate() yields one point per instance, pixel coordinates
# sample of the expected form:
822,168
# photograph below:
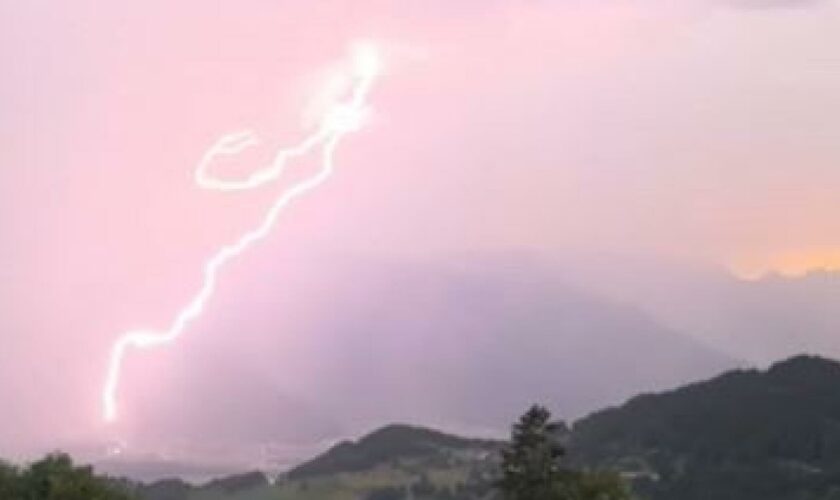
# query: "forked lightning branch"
345,116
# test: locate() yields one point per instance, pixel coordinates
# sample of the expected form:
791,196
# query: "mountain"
248,485
746,434
389,463
742,435
777,316
464,345
394,443
760,320
317,349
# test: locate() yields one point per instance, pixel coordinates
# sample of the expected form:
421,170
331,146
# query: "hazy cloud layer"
687,130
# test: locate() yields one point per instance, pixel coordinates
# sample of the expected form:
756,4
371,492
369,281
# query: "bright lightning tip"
367,59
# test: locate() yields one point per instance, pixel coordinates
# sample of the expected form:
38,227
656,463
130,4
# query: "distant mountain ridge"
459,343
466,345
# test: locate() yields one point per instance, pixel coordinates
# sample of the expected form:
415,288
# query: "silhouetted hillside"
745,434
247,484
165,489
390,444
239,482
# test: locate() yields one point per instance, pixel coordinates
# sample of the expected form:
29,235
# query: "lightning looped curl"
341,119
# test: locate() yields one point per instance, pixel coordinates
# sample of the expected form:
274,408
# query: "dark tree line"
55,477
532,467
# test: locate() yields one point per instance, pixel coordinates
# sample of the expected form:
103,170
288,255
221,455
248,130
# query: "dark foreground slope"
392,444
743,435
394,462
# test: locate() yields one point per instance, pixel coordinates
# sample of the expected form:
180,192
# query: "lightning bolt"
341,118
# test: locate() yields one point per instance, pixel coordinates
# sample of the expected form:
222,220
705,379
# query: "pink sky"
705,132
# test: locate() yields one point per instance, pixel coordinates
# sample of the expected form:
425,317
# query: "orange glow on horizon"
792,264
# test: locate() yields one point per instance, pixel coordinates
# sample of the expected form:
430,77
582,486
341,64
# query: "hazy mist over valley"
462,344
